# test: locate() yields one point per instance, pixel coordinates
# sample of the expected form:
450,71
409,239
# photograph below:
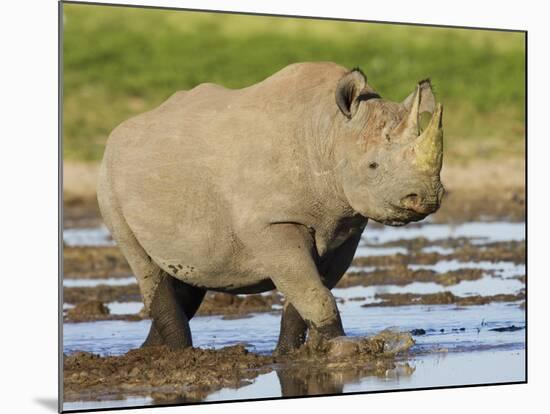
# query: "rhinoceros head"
392,164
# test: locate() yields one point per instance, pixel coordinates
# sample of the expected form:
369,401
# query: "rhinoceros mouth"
402,216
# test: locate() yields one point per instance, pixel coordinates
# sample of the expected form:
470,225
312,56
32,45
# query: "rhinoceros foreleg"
332,267
187,297
293,330
289,254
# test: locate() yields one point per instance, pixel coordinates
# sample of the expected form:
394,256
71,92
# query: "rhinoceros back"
198,173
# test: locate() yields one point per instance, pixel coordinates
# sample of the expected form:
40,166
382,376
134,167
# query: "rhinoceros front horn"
429,145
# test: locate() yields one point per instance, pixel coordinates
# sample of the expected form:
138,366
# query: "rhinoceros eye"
373,165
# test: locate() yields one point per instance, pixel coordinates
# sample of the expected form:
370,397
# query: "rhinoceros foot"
386,342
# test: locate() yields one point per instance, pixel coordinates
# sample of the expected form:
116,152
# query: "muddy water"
454,345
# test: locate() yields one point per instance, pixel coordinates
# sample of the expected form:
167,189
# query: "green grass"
121,61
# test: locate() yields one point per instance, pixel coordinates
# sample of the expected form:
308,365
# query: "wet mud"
232,306
87,299
189,375
511,328
95,310
462,250
402,276
99,263
81,211
90,303
102,293
440,298
94,262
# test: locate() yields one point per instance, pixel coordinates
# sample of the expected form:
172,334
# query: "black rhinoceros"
265,187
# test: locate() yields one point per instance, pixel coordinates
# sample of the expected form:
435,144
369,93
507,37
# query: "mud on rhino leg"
293,331
174,304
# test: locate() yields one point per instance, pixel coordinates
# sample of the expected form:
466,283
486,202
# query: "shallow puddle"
454,345
124,308
111,281
363,251
458,347
442,323
438,249
500,269
97,236
479,232
486,286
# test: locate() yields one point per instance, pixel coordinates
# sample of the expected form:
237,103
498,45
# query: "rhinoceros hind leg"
173,305
154,338
293,330
170,323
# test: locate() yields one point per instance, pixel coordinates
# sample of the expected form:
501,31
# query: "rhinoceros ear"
348,89
427,98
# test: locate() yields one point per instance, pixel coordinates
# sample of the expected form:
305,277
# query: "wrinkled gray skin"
265,187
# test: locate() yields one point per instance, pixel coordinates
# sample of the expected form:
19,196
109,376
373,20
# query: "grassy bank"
120,61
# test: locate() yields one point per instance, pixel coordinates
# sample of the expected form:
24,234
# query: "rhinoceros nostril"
413,198
413,202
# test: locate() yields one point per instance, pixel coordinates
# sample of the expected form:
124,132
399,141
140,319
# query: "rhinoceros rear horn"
420,101
424,97
347,91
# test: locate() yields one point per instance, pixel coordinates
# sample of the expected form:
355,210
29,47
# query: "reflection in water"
422,371
309,382
320,380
